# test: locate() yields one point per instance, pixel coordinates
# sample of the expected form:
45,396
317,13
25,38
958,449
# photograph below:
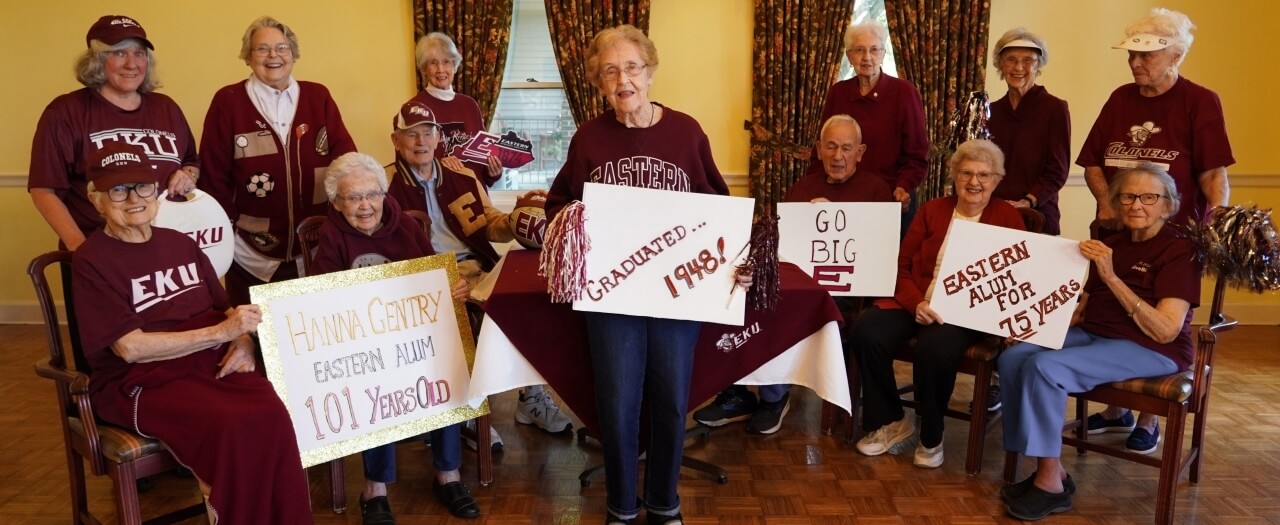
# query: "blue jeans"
634,360
1035,382
446,455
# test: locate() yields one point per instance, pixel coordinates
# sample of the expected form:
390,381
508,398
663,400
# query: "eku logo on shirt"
163,285
160,145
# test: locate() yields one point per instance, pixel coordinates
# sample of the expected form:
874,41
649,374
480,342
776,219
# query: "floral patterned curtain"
482,30
796,56
573,23
941,47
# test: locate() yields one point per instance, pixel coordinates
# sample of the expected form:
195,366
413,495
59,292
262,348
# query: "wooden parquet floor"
796,476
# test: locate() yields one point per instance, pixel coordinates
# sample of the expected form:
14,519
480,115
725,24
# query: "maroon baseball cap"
119,163
413,113
113,29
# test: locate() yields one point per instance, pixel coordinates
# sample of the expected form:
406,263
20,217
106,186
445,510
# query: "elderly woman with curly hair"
977,167
1133,320
1032,128
117,104
1172,122
267,141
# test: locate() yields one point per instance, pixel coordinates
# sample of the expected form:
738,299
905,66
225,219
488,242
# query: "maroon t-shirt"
1154,269
342,247
1183,130
1036,141
892,119
673,154
459,120
859,187
76,124
163,285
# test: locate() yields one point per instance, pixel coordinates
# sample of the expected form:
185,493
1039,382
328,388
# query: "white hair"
354,164
1169,24
876,29
437,42
1019,33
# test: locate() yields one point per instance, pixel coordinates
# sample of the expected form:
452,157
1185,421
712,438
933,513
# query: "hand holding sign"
511,150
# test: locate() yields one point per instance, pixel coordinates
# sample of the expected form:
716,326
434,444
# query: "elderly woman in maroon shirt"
172,359
888,109
1032,128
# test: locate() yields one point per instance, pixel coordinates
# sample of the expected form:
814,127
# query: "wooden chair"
1178,397
978,361
113,451
308,234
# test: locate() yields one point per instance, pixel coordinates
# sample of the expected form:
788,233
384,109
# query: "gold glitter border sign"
363,330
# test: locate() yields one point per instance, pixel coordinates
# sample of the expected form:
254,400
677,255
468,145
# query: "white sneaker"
495,440
885,437
539,409
929,457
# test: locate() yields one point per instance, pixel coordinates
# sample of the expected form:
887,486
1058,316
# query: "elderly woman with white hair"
1032,128
888,109
1166,119
977,167
265,146
365,228
1133,320
458,114
118,103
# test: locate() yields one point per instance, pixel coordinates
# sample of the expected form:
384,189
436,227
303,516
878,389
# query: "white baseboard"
28,312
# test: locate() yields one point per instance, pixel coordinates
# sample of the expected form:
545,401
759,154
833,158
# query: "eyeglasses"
866,50
121,193
1145,198
283,50
356,198
613,72
983,176
439,63
1027,62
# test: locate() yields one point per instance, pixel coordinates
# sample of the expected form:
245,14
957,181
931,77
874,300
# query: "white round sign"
202,219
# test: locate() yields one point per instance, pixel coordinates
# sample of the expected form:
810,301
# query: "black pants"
876,336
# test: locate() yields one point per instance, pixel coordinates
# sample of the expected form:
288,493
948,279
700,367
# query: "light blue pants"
1035,382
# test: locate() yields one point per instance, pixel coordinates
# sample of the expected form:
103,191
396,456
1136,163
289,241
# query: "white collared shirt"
277,107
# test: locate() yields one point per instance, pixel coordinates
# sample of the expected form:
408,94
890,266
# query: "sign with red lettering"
1009,282
200,217
850,248
667,254
511,150
368,356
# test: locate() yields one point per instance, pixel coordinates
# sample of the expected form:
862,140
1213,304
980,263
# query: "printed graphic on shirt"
152,288
1122,155
369,259
160,145
261,184
642,172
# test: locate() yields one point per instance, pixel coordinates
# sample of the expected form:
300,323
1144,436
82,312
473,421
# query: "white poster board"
368,356
1009,282
665,254
850,248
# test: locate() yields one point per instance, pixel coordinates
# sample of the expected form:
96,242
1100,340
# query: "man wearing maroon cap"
170,358
117,105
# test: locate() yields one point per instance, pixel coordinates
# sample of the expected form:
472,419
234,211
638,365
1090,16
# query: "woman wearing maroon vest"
172,359
266,143
118,104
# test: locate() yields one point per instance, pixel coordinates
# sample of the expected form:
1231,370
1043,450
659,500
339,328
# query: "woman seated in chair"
1133,320
879,332
172,360
365,228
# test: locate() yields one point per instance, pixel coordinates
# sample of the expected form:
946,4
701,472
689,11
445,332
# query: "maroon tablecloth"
553,336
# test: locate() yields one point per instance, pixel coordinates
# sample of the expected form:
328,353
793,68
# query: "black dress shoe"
455,497
376,511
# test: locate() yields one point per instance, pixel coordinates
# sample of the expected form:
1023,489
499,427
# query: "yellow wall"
363,52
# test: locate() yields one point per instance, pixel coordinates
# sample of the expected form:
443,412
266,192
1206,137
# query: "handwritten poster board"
666,254
1009,282
849,248
368,356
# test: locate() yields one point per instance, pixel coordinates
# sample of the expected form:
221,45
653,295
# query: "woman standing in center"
637,359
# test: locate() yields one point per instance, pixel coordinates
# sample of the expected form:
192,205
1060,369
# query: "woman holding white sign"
637,359
1133,320
172,359
365,228
976,168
